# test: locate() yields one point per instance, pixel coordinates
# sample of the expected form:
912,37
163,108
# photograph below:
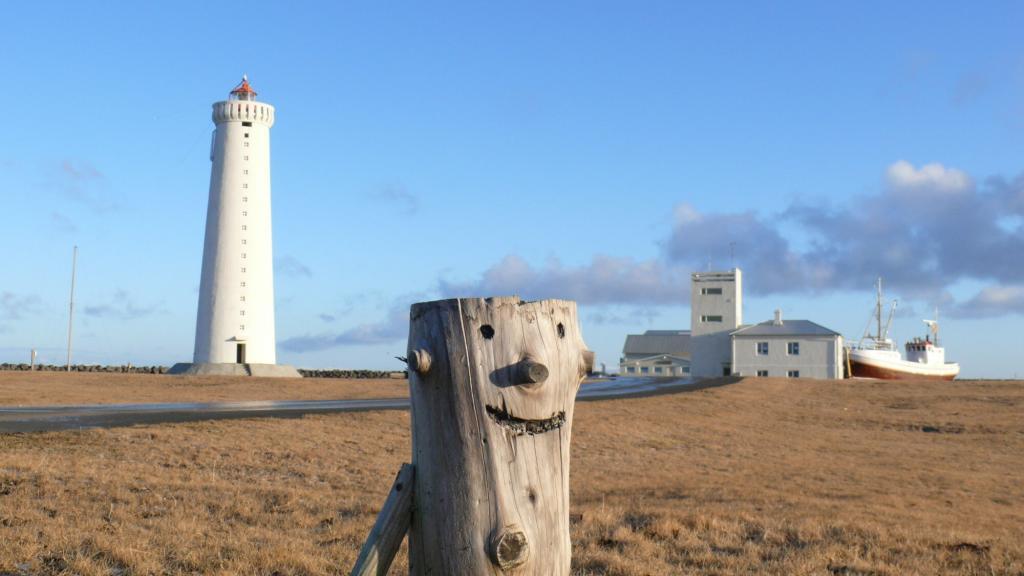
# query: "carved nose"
531,372
419,360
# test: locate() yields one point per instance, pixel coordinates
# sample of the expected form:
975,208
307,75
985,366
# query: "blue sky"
592,151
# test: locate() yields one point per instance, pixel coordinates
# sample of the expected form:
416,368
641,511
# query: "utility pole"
71,302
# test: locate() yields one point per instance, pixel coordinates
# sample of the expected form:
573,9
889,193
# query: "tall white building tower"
716,310
235,320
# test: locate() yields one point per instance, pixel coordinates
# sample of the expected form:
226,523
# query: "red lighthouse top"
243,91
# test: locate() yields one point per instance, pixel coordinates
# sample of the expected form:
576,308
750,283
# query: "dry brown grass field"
42,388
761,476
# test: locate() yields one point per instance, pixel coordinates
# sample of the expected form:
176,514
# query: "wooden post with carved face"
493,384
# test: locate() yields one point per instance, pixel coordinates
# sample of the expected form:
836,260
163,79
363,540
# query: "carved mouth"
520,426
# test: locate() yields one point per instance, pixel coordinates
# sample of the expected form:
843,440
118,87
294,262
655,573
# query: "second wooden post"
493,384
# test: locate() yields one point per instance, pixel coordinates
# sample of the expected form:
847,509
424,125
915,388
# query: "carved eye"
487,331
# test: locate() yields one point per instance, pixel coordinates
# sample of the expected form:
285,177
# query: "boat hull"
899,370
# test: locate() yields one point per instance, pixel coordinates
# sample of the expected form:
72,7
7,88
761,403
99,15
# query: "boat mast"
878,310
892,313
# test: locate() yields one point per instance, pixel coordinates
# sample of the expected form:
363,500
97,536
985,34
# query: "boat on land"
876,355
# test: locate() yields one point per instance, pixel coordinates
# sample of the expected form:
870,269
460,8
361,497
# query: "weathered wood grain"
492,416
389,530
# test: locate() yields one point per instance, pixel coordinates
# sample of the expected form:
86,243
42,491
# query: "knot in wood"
419,360
509,548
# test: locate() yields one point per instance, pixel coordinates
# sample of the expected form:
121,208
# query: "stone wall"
86,368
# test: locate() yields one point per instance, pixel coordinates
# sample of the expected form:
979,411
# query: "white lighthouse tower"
235,320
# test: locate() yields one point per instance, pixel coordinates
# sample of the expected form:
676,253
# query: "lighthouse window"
246,134
246,171
245,157
245,198
243,298
247,124
711,318
245,212
243,284
243,254
243,270
241,326
246,144
246,185
243,227
241,312
243,241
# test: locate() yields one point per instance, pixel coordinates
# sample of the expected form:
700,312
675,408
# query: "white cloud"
604,280
902,176
994,300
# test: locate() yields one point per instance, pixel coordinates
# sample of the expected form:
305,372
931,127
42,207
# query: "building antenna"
71,302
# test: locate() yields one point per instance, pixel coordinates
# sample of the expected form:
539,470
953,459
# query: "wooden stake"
492,416
389,530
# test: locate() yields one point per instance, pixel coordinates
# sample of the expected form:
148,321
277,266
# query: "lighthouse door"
240,353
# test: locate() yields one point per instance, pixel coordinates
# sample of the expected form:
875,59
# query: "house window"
630,370
793,348
762,348
710,318
793,374
657,369
644,369
686,369
707,291
762,373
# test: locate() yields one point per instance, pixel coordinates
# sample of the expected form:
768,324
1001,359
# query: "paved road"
46,418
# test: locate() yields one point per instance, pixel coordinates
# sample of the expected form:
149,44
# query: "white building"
787,349
716,310
235,319
656,353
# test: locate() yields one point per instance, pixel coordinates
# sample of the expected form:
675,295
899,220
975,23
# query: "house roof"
654,342
785,328
648,358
